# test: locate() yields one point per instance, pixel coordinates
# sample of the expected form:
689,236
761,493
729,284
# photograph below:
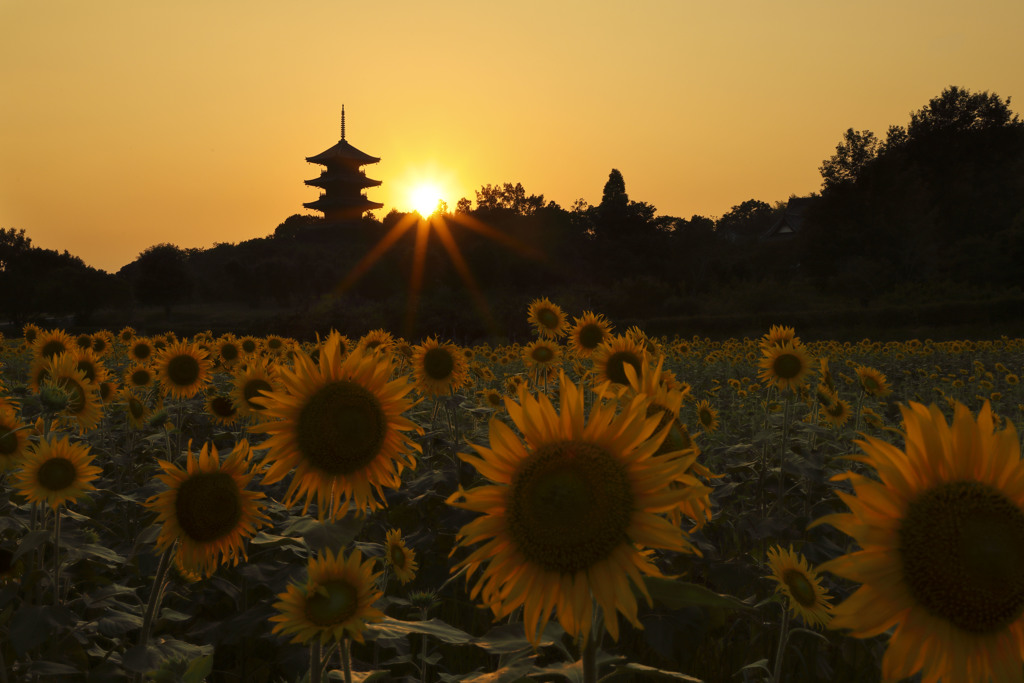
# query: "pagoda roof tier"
327,204
342,179
344,153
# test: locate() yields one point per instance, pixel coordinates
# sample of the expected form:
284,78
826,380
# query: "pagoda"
342,181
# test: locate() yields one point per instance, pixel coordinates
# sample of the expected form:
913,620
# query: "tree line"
936,206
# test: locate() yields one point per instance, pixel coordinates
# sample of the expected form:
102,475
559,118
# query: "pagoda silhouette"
342,181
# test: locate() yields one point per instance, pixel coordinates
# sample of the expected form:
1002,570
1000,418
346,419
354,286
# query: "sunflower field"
591,504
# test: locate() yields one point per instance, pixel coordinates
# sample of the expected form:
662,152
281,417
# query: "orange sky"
125,124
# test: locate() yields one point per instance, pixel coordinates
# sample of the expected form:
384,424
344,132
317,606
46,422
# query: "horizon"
125,126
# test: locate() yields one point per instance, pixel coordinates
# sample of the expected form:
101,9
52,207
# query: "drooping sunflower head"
339,426
207,508
542,353
137,411
82,403
801,585
400,558
838,412
336,600
588,332
439,368
13,438
873,382
571,504
942,532
56,471
613,355
248,382
183,369
786,366
547,318
707,416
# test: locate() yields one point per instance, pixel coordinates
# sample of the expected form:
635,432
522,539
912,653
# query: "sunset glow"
128,124
424,199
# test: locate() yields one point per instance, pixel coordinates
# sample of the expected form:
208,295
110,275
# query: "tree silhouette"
857,150
160,276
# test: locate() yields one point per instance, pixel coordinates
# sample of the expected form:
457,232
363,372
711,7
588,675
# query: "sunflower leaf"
649,673
394,628
675,594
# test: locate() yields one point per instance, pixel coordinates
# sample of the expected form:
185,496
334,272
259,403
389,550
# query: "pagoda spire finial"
343,122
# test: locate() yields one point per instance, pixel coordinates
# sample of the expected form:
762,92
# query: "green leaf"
648,673
30,542
141,659
396,628
31,625
507,639
359,676
675,594
118,623
198,670
51,669
265,540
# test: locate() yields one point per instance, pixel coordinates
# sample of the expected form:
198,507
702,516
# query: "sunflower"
88,362
221,409
873,382
56,471
587,333
228,350
941,534
246,384
547,318
785,365
13,438
401,560
438,368
542,353
707,416
183,369
338,426
838,412
778,335
137,410
611,356
570,509
101,343
139,376
50,343
335,602
207,509
127,334
83,341
83,399
30,332
491,398
375,340
801,584
141,350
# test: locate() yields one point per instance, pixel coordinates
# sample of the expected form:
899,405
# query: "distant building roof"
342,152
791,222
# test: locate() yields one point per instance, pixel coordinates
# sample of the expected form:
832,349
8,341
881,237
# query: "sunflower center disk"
398,556
208,506
56,474
800,588
616,364
332,603
548,318
51,349
962,546
591,336
569,506
341,428
787,366
183,370
543,354
252,390
438,364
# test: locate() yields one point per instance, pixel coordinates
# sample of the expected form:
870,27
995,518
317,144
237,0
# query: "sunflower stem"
782,450
423,649
780,650
155,594
316,661
590,658
56,556
346,659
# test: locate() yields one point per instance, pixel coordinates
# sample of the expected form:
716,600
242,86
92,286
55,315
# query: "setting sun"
425,198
